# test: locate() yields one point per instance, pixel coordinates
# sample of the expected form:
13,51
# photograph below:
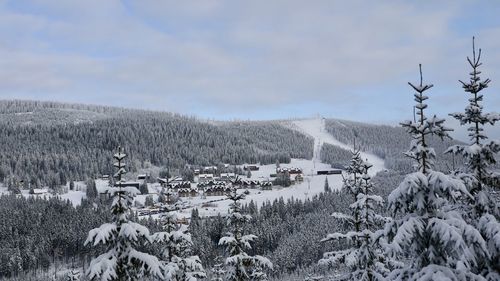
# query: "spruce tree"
121,261
364,258
240,265
178,263
478,175
427,231
327,186
218,271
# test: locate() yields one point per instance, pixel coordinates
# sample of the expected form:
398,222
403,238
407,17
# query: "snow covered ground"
316,129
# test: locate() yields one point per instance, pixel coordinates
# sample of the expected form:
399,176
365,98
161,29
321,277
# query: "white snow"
316,129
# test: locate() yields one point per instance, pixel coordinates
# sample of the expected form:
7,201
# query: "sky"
248,59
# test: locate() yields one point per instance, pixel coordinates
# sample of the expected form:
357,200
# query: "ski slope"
316,129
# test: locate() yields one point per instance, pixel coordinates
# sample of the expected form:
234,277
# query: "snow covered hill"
316,129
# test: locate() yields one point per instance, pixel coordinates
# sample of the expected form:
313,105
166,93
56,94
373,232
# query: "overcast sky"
248,59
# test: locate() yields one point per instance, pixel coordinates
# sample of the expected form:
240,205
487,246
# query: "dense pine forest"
48,143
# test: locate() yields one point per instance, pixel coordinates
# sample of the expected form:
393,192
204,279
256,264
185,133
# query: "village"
210,185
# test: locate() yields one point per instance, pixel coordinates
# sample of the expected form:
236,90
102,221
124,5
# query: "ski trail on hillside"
316,129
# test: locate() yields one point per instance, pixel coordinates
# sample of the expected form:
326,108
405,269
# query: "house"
210,169
39,191
266,185
217,190
105,177
174,186
251,168
142,177
187,192
291,171
129,183
162,181
227,176
330,172
205,177
246,183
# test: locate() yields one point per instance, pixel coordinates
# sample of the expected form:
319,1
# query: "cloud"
255,59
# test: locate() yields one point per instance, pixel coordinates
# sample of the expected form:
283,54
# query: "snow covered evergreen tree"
178,263
478,175
427,231
218,271
326,187
241,266
121,261
364,257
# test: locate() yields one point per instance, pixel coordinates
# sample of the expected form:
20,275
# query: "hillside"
387,142
50,143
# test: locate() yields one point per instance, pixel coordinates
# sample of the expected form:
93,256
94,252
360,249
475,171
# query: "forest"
46,143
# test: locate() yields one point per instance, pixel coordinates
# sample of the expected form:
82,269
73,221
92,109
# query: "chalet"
187,192
227,176
291,171
176,179
162,181
251,168
245,183
330,172
210,169
211,183
266,185
205,177
217,190
174,186
130,184
39,191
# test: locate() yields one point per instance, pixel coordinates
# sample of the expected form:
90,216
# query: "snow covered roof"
40,190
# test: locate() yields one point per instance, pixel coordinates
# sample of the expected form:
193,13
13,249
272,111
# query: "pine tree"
122,262
218,270
428,231
327,186
478,175
91,190
364,258
240,265
178,263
